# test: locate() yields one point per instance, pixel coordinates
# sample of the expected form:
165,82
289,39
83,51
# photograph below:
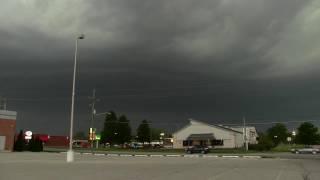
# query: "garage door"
2,142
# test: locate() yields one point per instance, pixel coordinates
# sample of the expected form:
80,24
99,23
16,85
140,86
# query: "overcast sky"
164,61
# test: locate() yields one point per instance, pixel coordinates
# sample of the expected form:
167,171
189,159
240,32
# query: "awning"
207,136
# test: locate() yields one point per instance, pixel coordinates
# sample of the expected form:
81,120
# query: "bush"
264,144
19,144
287,147
260,147
35,145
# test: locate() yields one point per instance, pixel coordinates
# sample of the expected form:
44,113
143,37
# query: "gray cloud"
162,60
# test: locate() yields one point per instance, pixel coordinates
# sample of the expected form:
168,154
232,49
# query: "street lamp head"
81,36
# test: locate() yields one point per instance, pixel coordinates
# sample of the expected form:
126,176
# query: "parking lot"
52,166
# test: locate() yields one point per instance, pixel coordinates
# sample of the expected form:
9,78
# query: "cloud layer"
209,53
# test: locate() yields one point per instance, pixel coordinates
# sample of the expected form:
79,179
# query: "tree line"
307,134
117,130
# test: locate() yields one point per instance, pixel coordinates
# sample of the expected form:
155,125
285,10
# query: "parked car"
306,150
81,144
197,149
136,145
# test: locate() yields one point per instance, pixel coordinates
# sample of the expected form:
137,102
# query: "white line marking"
141,155
156,155
112,155
191,156
210,156
230,156
99,154
126,155
279,174
173,155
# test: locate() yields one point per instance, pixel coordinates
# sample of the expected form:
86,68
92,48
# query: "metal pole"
70,155
92,116
245,133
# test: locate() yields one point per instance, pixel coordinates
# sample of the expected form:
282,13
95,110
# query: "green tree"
19,144
278,133
109,132
264,143
155,133
143,132
35,144
31,144
80,135
124,130
308,134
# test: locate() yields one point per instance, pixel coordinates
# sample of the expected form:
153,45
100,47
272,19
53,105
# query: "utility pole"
245,133
3,103
93,111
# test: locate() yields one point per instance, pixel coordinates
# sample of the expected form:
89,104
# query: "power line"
226,124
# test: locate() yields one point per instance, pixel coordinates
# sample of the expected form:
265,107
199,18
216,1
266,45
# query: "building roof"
192,122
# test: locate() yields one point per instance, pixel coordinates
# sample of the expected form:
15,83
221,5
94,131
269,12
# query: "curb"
170,155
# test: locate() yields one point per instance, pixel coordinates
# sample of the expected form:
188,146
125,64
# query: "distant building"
251,132
7,129
53,140
57,141
215,136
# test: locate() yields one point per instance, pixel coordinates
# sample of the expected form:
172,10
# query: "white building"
251,133
216,136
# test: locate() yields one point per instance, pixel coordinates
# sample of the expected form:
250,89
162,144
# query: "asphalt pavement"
52,166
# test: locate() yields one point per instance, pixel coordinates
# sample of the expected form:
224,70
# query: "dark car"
197,149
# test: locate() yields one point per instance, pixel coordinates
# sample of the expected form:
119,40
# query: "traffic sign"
98,136
28,135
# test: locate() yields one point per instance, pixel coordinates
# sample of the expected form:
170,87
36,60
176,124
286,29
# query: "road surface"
52,166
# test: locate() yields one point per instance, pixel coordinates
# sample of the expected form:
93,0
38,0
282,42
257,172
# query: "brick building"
7,129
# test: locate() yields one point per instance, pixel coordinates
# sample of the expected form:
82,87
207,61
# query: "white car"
307,150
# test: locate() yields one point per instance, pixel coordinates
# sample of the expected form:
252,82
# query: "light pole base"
70,156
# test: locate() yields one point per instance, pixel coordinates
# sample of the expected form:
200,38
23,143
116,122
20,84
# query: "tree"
109,133
308,134
19,144
124,130
35,144
278,133
39,144
264,143
143,132
80,135
155,133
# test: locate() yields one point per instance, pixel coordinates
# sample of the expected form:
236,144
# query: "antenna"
3,103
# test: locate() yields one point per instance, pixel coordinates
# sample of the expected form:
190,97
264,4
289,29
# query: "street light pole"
70,154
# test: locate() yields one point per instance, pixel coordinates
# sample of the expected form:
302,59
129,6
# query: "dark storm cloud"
161,60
